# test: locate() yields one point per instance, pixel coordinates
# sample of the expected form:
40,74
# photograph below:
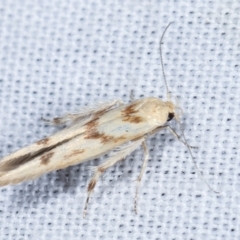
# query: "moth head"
174,111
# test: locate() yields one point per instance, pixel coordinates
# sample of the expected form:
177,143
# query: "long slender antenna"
160,51
168,96
195,164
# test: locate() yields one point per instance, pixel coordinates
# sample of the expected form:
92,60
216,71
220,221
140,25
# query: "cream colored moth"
92,133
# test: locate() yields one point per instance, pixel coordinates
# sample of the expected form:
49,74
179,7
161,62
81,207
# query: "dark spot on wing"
98,114
130,109
132,119
93,133
43,141
74,153
57,120
46,158
129,114
92,124
104,138
15,162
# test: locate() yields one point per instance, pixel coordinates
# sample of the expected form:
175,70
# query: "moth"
92,133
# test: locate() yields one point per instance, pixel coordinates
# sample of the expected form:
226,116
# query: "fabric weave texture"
59,56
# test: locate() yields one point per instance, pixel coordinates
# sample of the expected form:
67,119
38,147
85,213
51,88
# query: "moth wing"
85,116
13,174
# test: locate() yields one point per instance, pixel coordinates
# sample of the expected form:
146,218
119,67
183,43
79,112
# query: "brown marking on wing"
92,124
128,115
43,141
104,138
95,117
15,162
74,153
45,159
57,120
132,119
98,114
130,109
92,132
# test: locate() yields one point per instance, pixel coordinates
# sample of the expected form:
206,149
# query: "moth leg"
144,165
85,113
174,134
99,170
178,137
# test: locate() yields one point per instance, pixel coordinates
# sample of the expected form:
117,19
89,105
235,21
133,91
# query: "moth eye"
170,116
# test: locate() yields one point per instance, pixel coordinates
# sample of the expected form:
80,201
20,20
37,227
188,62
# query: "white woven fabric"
59,56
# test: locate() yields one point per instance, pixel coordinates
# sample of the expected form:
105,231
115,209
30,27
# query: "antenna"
195,164
182,130
160,51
